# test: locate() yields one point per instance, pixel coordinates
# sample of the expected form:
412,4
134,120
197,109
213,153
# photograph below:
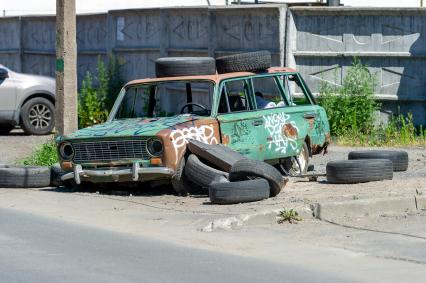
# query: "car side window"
295,91
235,97
267,92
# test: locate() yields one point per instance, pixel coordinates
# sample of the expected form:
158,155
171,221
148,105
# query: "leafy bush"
351,110
97,94
45,155
351,107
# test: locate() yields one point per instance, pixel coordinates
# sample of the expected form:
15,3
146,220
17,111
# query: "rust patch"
311,122
225,139
173,152
289,131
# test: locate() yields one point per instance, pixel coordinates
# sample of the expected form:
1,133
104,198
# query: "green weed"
98,93
45,155
290,216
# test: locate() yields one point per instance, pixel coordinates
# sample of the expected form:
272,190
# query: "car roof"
215,78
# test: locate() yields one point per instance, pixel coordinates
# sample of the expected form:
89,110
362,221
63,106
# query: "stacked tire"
196,66
367,166
230,177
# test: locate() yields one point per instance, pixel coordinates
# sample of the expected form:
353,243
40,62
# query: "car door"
7,93
282,129
240,125
311,117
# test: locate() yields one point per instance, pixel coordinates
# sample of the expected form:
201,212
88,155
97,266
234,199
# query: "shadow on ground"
123,189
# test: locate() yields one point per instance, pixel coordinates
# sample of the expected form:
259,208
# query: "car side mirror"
4,74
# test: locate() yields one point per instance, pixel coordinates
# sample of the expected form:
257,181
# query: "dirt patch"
18,145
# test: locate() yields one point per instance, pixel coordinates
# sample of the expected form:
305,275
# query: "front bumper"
136,173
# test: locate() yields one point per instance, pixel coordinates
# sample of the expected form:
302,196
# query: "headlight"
66,150
154,147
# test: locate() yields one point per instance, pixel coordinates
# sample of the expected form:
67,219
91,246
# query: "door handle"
310,115
257,122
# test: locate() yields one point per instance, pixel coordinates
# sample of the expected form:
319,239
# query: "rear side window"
235,97
267,93
295,92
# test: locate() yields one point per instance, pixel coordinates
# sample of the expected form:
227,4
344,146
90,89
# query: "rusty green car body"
150,144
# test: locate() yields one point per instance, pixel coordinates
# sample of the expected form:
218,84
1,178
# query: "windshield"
165,99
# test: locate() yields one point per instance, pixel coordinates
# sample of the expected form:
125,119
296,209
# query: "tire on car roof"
225,192
24,176
184,66
399,158
247,169
201,174
249,62
359,171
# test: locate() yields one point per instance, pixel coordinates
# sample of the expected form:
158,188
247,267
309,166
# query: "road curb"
267,217
368,207
332,210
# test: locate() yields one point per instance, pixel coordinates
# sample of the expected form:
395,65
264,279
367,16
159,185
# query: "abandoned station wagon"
269,115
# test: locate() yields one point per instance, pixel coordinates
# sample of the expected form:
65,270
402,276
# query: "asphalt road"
36,249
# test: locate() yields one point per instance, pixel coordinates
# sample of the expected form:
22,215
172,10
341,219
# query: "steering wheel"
194,104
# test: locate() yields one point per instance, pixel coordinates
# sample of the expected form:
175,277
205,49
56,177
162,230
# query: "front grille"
108,151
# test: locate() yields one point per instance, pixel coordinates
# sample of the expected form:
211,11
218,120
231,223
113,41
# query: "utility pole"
66,68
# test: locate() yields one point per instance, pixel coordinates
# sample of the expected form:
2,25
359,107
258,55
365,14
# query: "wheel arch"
30,96
309,144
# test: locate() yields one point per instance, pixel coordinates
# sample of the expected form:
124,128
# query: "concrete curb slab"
368,207
267,217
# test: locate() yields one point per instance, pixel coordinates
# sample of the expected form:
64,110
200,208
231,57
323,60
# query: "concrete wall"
320,42
139,36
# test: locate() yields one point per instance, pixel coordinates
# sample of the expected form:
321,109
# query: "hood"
131,127
36,82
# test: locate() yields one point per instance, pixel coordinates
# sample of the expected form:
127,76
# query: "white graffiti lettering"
180,137
275,124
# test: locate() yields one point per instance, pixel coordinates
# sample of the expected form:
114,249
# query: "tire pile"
367,166
228,176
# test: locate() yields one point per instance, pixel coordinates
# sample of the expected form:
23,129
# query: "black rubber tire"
399,158
222,157
248,62
238,192
56,172
180,182
184,66
24,176
359,171
25,112
200,173
247,169
5,129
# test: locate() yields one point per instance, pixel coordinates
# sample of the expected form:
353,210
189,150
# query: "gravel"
18,145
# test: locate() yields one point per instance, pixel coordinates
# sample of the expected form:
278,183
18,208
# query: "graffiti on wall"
180,137
282,130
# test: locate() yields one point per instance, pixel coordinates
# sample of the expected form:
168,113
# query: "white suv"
26,100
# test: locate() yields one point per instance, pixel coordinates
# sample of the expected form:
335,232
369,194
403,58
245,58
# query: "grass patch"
291,216
352,110
45,155
399,131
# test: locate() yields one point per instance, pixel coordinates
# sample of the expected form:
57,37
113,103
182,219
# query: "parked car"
267,115
26,100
